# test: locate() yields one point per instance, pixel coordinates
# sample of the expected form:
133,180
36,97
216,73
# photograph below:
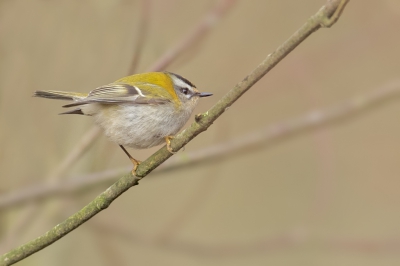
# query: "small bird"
138,111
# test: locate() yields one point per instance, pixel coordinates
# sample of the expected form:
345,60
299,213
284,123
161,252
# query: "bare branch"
141,36
194,36
295,238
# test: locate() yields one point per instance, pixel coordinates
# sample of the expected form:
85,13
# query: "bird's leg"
133,160
168,141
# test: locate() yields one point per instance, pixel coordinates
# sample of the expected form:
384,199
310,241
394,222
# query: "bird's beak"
205,94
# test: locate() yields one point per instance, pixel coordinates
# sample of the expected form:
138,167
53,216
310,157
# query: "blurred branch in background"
199,31
194,36
22,223
220,151
141,35
322,18
302,237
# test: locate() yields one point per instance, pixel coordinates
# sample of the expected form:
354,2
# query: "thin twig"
194,36
77,151
141,35
54,177
219,151
295,238
201,124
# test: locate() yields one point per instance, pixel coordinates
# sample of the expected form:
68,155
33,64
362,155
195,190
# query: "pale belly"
138,126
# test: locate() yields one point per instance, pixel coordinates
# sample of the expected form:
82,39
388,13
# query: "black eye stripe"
185,91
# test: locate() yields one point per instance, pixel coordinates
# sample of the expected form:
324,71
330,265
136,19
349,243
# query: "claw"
168,141
136,164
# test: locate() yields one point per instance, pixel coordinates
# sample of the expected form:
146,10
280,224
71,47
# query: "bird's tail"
60,95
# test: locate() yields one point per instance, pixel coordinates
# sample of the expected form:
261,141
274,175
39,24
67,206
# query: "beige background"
326,196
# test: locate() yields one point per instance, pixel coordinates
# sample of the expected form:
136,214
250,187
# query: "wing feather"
125,94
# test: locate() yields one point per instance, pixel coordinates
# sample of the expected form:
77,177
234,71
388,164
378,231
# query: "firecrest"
138,111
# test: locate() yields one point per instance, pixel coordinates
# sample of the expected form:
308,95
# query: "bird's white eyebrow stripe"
139,91
180,83
182,79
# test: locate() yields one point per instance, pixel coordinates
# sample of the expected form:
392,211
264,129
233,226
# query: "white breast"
138,126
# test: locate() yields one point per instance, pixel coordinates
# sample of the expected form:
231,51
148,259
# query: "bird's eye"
185,91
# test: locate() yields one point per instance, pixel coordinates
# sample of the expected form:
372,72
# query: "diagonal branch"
194,36
141,35
205,120
201,124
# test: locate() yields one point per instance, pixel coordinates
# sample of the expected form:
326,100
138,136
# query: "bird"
138,111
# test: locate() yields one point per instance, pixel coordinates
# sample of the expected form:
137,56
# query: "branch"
302,237
194,36
203,121
141,35
220,150
201,124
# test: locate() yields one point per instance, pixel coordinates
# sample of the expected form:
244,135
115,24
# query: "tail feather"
60,95
73,112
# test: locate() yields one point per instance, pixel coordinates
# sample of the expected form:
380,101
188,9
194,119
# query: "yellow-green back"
160,79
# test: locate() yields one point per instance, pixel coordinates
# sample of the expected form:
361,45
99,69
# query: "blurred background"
298,195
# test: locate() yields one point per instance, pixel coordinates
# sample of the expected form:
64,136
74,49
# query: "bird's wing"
114,93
